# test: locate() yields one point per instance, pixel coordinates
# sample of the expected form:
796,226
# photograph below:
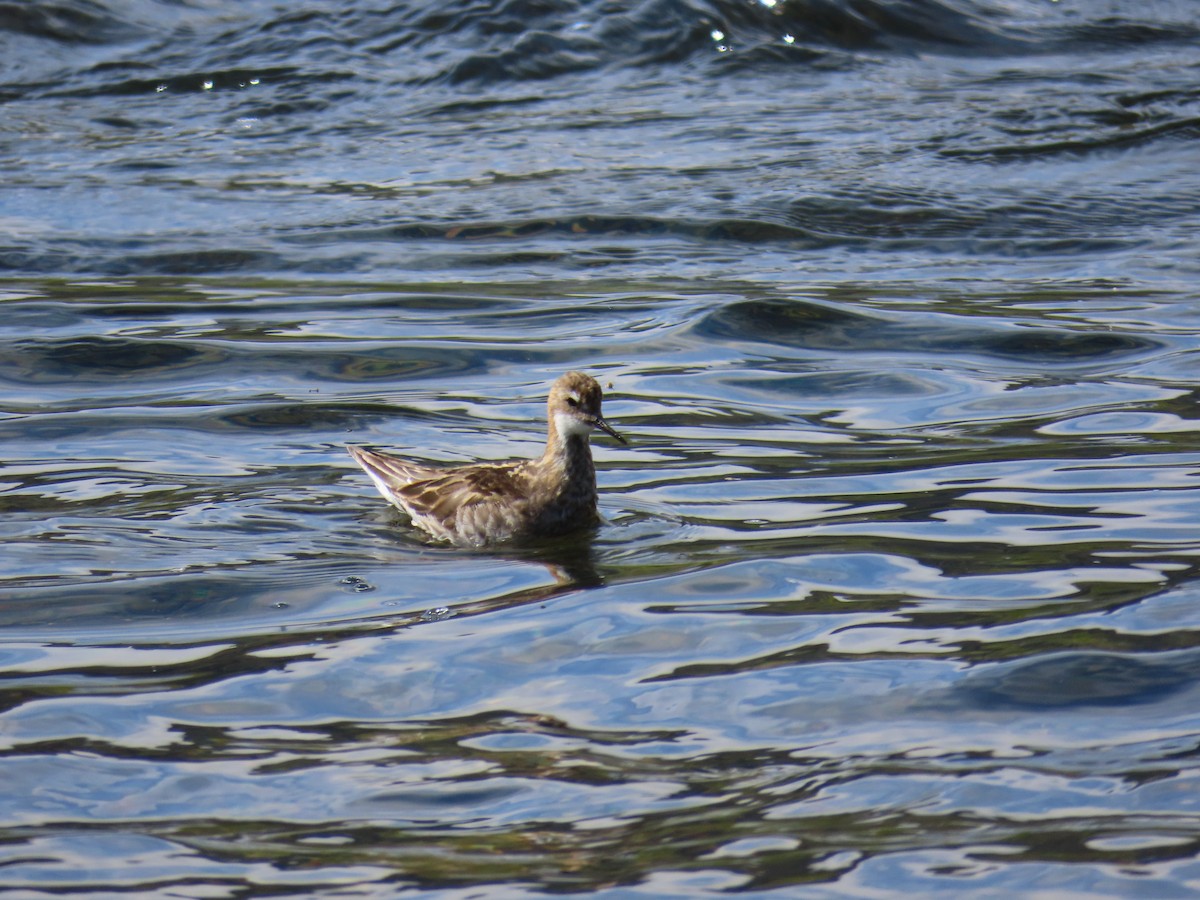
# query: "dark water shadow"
1079,679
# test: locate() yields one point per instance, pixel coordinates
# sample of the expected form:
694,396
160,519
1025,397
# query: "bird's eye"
571,401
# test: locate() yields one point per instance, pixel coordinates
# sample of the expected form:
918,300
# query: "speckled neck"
567,465
570,453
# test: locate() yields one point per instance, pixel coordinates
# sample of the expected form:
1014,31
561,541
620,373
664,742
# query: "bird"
488,503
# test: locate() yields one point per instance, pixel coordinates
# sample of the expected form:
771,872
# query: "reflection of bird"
488,502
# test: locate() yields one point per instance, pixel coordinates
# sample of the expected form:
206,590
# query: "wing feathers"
472,503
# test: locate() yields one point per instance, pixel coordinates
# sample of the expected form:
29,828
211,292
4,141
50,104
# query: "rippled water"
898,586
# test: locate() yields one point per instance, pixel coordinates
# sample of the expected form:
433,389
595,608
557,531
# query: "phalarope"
484,503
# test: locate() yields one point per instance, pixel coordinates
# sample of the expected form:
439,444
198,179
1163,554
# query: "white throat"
571,426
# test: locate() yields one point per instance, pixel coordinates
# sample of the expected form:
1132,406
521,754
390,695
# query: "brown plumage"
484,503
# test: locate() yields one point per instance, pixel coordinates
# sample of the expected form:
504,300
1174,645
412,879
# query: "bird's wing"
447,494
471,503
390,473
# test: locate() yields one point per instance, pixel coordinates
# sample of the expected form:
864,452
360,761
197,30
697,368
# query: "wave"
530,40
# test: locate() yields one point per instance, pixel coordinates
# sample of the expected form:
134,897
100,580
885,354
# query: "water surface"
897,588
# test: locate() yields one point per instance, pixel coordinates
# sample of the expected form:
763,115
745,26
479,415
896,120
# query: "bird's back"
472,504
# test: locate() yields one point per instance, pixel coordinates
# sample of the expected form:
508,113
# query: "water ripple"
896,587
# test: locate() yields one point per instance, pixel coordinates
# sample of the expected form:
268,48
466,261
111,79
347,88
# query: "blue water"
897,591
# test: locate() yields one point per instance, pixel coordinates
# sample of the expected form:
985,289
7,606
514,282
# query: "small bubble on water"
436,614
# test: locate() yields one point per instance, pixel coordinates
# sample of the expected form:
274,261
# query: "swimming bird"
485,503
